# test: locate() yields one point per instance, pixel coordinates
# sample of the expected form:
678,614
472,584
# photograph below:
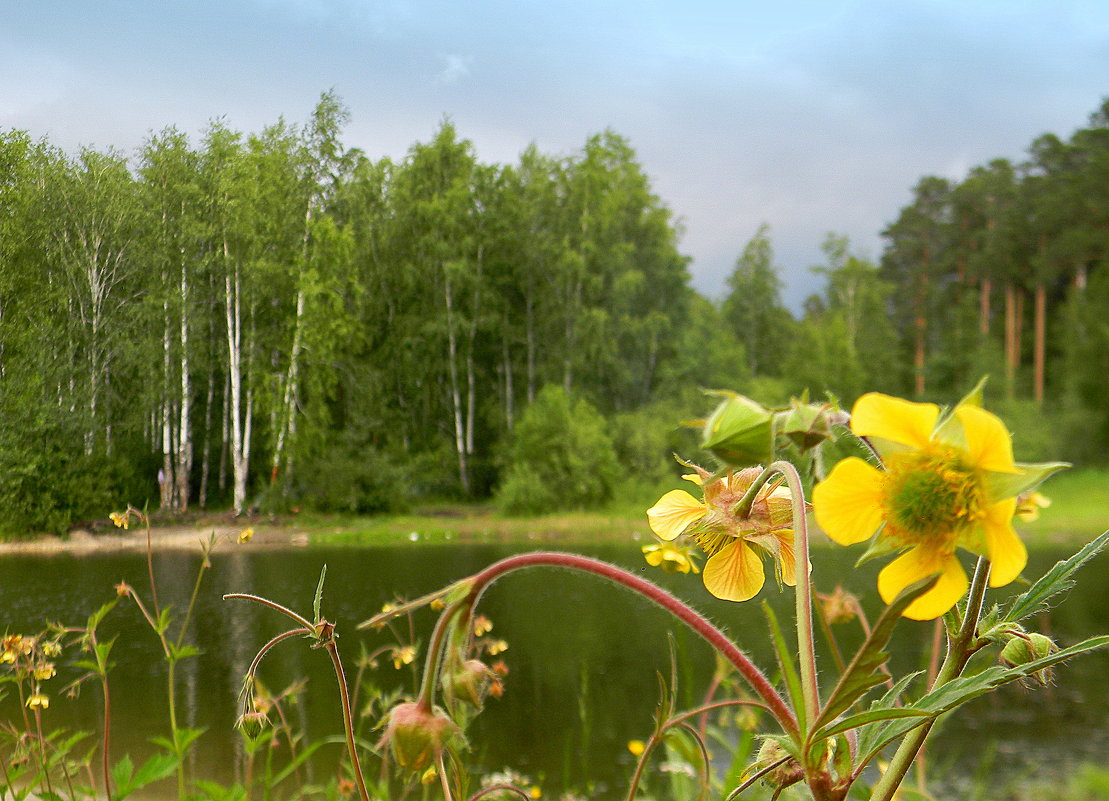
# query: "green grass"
1079,511
1079,508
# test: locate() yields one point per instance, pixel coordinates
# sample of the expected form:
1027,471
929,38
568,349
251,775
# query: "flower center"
929,497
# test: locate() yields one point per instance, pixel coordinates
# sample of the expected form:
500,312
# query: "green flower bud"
417,735
806,425
1025,648
789,772
469,682
739,432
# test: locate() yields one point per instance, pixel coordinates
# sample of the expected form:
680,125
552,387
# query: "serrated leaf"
318,598
966,688
1053,582
179,652
863,671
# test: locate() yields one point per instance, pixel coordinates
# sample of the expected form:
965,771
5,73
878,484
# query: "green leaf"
785,662
98,615
863,671
870,716
966,688
1055,581
1000,486
318,597
179,652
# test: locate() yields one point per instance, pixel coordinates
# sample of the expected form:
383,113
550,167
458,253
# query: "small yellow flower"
402,656
946,484
733,543
1029,505
45,671
246,535
496,647
482,625
7,657
670,557
636,747
535,792
121,519
429,775
51,649
38,701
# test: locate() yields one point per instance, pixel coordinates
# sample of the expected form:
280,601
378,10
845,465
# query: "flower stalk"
716,638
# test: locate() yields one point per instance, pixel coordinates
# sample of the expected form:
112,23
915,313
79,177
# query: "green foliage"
47,482
351,479
561,457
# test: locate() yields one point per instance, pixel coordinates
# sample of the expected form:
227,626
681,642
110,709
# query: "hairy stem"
806,647
348,720
716,638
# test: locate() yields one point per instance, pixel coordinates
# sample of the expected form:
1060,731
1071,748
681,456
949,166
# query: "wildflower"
482,625
838,606
38,701
1029,505
733,542
534,792
402,656
246,535
946,484
45,671
429,775
51,649
346,787
469,682
496,647
417,735
671,557
121,519
636,747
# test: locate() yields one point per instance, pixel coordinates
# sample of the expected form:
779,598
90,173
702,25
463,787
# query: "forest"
275,321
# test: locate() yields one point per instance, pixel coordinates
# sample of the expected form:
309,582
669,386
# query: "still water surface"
583,655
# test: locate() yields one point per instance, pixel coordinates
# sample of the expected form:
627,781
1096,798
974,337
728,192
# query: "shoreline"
179,537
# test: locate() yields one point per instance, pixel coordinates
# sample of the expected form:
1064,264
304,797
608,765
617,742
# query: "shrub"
560,457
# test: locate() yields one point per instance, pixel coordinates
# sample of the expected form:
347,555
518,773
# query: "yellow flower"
246,535
636,747
38,701
733,543
946,484
495,647
482,625
121,519
1029,505
670,557
45,671
402,656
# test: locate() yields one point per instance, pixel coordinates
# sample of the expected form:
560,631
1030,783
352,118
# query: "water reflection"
583,655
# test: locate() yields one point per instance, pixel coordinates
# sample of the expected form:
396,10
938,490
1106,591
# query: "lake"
583,656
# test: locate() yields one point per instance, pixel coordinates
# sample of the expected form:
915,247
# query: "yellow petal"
734,573
847,504
902,421
919,563
1007,553
674,513
787,558
696,479
989,445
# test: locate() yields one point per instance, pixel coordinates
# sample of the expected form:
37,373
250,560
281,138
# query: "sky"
812,116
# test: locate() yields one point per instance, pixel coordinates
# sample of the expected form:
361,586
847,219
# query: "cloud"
455,68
